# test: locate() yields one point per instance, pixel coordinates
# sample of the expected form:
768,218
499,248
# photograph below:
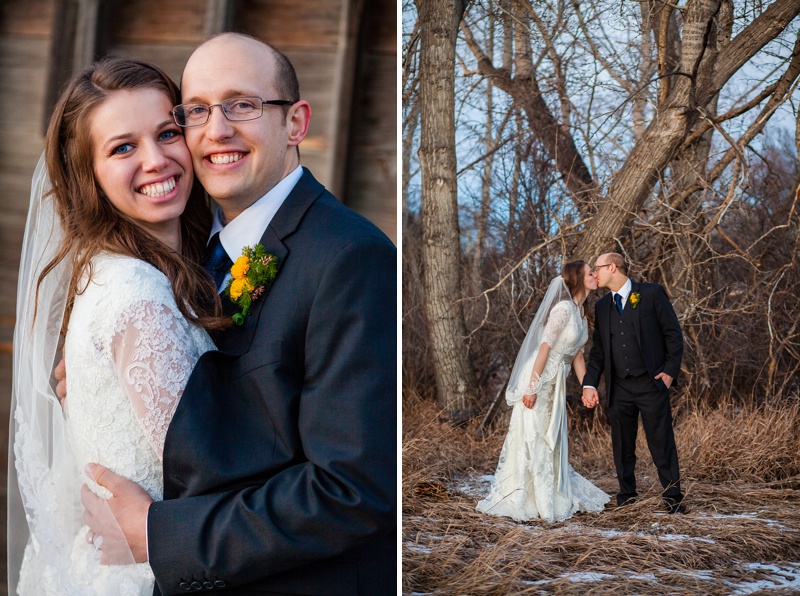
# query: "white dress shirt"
624,292
249,226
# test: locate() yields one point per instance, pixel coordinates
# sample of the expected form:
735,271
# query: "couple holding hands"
637,346
229,427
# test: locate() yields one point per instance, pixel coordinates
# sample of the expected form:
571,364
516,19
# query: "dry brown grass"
741,475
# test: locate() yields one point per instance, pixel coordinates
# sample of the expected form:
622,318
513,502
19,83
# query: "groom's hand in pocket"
129,505
665,378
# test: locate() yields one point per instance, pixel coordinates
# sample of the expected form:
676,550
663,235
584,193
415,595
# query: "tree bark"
482,219
455,379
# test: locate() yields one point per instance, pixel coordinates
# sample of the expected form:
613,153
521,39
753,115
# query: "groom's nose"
218,126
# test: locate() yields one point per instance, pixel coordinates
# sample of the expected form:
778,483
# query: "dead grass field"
740,471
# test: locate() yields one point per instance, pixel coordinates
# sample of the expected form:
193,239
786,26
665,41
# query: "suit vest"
626,357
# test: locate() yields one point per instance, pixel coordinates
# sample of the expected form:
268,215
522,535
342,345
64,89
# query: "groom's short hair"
619,261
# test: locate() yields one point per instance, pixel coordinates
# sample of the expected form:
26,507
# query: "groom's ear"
298,120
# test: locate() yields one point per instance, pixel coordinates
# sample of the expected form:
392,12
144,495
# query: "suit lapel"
606,312
635,313
237,339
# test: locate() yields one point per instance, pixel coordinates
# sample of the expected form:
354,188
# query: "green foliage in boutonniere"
635,298
251,274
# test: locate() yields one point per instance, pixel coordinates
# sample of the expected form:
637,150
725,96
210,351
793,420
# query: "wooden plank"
23,71
85,43
26,17
379,28
156,21
219,17
342,86
62,54
371,176
5,407
288,24
170,57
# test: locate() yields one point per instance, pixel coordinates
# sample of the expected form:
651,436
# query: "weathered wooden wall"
344,51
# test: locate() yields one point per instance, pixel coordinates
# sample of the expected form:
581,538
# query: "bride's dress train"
533,477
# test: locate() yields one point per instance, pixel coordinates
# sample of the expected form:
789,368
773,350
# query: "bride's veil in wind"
521,373
44,478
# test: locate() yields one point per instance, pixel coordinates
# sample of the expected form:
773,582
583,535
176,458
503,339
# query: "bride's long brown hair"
92,224
573,275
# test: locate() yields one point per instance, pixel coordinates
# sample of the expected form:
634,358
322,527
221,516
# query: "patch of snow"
782,575
587,576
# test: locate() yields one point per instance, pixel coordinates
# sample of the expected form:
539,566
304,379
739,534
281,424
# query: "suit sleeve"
671,329
343,493
596,362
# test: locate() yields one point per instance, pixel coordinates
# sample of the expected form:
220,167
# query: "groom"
280,461
637,345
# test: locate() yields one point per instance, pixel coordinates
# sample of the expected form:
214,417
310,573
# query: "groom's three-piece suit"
629,350
280,461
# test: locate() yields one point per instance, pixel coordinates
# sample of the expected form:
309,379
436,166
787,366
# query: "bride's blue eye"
168,134
122,149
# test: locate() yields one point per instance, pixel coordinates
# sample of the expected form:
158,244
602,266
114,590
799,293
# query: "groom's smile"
225,158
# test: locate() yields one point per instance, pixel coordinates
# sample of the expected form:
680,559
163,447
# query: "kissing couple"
637,346
230,421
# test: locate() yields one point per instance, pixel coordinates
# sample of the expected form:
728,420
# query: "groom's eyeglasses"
596,267
237,109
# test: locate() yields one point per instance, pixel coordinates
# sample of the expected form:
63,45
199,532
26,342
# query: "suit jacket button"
208,585
197,586
185,586
219,584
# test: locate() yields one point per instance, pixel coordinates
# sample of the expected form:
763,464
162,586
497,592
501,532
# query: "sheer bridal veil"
44,479
521,373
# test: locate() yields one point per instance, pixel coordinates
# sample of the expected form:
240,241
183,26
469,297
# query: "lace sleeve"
153,357
556,322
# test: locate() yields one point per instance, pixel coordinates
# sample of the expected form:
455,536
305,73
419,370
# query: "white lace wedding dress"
129,353
533,477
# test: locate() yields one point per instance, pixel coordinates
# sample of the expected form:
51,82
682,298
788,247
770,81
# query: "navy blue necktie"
216,261
618,302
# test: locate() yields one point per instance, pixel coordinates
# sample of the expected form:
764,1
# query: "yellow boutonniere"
635,298
251,273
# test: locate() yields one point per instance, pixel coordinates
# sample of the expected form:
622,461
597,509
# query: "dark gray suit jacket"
658,334
280,461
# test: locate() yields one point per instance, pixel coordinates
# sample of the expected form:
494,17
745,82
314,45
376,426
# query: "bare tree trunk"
513,193
523,87
695,84
455,379
486,179
410,125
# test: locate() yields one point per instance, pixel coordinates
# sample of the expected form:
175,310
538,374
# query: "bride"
109,276
533,477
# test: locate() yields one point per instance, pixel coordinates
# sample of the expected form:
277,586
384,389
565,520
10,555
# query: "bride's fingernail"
90,468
